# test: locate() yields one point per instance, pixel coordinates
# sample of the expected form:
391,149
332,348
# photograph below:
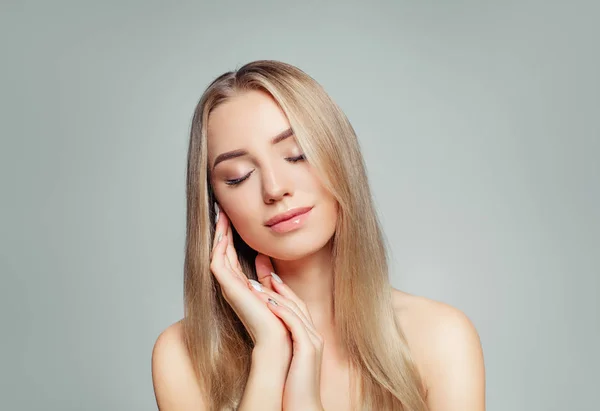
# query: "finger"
231,253
265,295
225,255
288,303
300,334
264,267
283,289
218,230
218,234
233,262
223,228
217,263
239,276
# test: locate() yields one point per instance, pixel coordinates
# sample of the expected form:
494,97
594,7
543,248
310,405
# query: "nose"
276,184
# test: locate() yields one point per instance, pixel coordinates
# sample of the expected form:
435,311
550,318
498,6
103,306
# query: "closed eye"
237,181
295,159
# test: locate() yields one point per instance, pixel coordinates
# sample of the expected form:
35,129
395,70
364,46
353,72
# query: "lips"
287,215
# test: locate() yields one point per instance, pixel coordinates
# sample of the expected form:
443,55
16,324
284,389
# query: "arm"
264,388
176,388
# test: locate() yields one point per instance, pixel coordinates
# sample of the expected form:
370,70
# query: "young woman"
287,297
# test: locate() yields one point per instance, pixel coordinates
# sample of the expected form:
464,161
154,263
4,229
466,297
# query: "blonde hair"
218,343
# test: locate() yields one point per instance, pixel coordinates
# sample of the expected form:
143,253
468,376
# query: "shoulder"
173,376
431,322
447,350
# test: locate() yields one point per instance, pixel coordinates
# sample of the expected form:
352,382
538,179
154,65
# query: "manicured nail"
277,278
217,213
219,237
272,301
256,285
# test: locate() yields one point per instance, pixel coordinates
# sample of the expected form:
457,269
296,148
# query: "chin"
298,244
296,248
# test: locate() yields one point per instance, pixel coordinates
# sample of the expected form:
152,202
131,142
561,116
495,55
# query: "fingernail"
217,213
272,301
277,278
219,237
256,285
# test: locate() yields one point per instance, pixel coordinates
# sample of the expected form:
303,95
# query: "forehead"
252,116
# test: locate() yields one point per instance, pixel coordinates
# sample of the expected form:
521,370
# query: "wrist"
275,349
274,359
266,381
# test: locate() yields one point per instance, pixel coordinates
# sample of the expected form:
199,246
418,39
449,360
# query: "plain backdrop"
479,123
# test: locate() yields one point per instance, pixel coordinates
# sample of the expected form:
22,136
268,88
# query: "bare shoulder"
446,349
424,318
173,377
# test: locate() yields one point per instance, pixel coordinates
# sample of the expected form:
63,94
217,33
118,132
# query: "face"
266,177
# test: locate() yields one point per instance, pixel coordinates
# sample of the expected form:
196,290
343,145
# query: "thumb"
264,268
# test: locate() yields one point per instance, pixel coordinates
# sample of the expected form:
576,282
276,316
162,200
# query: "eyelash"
239,180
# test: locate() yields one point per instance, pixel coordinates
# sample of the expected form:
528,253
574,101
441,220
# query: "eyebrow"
241,152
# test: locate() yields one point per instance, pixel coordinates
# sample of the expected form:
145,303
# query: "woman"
287,299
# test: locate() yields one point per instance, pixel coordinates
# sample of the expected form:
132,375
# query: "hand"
270,325
264,328
302,386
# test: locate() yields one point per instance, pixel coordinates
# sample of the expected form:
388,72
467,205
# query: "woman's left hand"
302,390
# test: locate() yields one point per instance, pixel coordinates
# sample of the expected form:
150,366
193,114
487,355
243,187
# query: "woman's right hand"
264,327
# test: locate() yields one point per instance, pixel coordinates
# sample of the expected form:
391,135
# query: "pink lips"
289,221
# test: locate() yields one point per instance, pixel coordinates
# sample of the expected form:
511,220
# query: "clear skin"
297,363
275,183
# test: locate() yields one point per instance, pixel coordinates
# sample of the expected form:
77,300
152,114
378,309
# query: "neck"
311,278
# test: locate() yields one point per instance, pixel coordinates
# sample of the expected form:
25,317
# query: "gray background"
480,129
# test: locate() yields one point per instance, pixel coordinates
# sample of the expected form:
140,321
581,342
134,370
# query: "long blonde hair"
218,343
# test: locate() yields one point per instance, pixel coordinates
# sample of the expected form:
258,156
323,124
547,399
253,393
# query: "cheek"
244,219
330,211
323,195
241,217
234,202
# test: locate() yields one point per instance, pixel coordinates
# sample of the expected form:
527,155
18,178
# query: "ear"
264,268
